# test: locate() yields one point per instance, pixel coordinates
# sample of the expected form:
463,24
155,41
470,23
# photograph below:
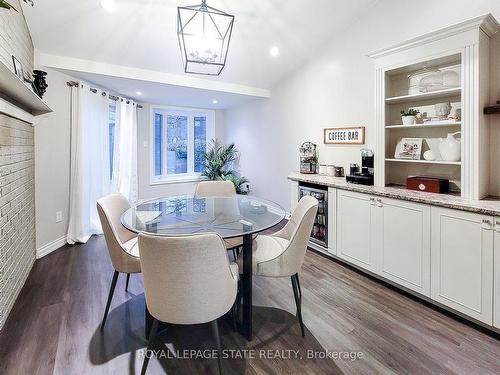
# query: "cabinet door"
294,195
496,266
405,245
462,262
332,220
356,228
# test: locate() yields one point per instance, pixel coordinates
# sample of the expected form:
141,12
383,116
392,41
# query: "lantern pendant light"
204,34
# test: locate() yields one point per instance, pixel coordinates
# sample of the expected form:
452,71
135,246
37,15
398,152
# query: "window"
179,138
111,130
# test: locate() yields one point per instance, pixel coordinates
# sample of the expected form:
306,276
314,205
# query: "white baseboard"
50,247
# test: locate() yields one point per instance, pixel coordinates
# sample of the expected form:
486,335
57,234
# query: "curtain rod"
112,97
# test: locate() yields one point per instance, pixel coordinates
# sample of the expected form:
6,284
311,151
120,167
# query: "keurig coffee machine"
365,176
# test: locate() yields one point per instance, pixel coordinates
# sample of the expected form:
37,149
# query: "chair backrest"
215,189
110,209
187,279
297,231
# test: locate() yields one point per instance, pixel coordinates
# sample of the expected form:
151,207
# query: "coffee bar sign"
345,136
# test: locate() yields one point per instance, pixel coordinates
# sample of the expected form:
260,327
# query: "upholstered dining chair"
187,280
282,253
122,243
206,189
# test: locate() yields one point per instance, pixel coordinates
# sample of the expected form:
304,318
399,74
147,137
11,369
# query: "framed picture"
18,68
341,136
409,148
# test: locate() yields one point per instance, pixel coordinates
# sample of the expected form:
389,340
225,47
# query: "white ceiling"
142,33
159,93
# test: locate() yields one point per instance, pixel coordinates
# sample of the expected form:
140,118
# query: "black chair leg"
126,284
152,336
215,333
234,254
298,286
110,297
298,301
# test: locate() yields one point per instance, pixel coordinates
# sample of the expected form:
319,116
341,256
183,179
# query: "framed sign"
345,136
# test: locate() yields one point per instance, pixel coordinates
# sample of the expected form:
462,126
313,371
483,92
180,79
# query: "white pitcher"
450,148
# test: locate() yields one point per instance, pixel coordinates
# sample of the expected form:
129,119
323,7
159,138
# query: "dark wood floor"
54,326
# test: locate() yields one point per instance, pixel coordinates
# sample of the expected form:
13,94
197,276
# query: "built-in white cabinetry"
496,266
357,228
462,262
332,221
404,249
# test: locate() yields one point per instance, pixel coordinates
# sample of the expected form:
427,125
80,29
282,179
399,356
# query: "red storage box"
427,184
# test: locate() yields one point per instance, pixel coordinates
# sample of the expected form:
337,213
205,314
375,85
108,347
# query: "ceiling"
159,93
142,33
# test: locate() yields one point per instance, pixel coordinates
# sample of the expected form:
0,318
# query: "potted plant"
218,163
4,4
409,116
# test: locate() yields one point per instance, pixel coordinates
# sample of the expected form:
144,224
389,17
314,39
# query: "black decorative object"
204,34
39,82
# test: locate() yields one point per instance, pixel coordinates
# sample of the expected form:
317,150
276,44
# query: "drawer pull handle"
486,224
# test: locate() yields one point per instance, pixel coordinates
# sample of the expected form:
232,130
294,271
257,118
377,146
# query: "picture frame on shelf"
18,68
409,148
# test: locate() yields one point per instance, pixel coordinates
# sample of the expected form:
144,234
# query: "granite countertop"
486,206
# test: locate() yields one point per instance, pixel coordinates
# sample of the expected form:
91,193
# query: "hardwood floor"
54,326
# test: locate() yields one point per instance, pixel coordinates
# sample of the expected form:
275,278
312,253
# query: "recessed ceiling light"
274,51
215,101
108,5
138,93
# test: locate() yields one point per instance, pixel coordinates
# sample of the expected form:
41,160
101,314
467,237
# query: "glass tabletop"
187,214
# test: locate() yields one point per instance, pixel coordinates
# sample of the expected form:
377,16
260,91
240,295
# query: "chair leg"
110,297
298,286
234,254
298,301
126,284
215,333
152,336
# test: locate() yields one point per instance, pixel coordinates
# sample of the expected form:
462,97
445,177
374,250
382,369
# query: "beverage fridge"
319,233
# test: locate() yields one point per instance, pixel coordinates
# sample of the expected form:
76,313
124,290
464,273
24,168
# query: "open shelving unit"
400,95
461,53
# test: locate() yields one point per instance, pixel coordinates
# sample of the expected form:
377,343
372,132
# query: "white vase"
450,148
409,120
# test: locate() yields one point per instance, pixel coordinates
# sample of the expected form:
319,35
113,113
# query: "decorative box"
427,184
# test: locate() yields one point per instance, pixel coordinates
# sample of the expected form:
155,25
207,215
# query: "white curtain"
89,178
127,150
90,158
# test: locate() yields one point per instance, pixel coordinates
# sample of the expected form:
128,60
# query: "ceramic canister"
330,171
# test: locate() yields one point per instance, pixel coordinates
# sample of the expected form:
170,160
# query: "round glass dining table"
235,216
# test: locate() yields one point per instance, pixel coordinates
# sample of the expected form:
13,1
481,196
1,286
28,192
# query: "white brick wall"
17,209
15,38
17,191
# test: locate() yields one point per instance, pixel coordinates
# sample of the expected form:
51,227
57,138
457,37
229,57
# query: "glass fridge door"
319,231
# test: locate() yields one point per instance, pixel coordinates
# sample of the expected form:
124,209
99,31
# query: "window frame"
191,113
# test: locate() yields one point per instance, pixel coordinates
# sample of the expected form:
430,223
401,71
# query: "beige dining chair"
187,280
122,243
282,253
205,189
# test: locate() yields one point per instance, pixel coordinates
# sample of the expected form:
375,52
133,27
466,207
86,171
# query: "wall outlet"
58,216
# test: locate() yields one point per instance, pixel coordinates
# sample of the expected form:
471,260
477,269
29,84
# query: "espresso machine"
365,176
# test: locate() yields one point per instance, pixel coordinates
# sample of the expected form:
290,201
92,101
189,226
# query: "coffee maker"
365,176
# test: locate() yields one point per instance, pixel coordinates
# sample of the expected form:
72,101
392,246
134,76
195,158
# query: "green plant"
6,5
410,112
218,161
240,182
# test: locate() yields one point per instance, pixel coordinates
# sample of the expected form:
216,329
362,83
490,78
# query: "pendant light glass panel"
204,33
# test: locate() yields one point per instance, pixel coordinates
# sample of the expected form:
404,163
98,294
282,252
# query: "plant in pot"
219,165
4,4
409,116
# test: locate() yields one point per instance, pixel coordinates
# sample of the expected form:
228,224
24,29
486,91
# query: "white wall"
146,190
336,88
52,161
